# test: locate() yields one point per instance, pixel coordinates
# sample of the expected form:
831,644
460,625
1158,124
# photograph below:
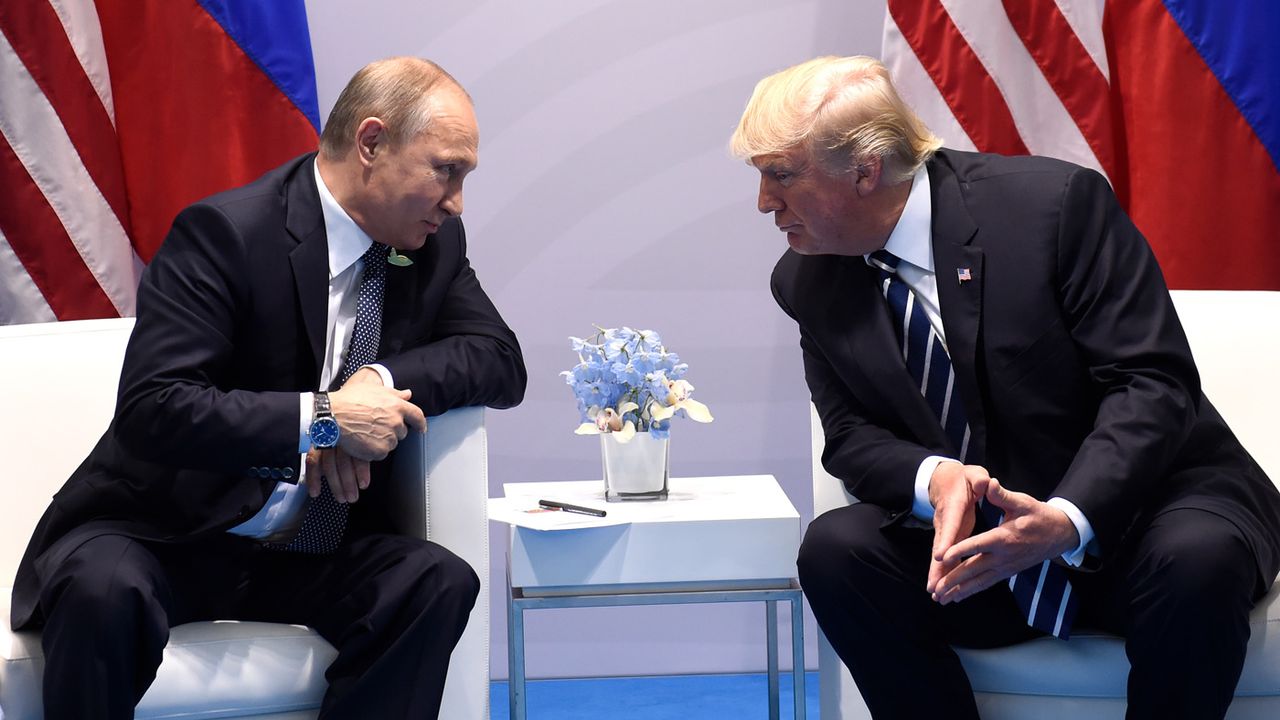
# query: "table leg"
515,658
771,621
797,655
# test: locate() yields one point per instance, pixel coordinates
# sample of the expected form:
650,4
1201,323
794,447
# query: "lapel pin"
963,275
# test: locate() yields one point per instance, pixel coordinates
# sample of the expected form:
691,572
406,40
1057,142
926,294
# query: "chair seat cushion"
1093,664
210,670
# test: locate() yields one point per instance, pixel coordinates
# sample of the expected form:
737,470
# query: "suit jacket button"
288,473
264,473
276,474
251,472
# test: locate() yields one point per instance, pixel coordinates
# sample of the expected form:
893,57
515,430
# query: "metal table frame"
598,596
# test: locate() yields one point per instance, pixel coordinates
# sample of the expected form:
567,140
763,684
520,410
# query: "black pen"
557,505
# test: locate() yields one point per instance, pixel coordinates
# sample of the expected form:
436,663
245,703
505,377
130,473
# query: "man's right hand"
345,475
373,418
954,491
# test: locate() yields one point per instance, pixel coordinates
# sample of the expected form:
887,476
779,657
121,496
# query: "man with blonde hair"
290,333
966,317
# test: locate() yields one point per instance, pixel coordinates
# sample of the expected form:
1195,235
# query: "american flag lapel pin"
963,275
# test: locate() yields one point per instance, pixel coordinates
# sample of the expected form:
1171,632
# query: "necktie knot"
885,260
377,252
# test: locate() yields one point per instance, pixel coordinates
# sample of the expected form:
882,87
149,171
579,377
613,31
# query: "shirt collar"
912,237
347,242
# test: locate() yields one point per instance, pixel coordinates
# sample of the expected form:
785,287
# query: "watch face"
324,432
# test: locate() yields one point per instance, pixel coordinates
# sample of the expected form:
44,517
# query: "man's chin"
801,244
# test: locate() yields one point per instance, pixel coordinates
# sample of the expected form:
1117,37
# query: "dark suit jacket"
1069,358
231,327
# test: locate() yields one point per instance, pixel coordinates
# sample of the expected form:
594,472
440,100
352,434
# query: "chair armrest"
440,491
828,492
446,468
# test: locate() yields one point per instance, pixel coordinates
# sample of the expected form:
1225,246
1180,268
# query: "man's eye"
782,177
447,170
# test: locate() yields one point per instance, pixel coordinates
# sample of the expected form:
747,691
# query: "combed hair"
846,110
396,90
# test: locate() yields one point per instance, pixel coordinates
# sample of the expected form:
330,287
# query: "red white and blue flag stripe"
1177,102
114,115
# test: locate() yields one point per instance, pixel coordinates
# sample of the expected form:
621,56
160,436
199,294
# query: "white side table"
716,539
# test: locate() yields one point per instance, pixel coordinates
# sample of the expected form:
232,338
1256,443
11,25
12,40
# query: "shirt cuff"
307,406
921,508
383,373
1075,557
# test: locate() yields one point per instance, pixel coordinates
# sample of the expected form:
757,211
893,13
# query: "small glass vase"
635,470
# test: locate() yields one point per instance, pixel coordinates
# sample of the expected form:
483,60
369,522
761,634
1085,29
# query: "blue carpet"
678,697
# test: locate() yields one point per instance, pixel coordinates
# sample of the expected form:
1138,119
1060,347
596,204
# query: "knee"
1203,568
459,578
443,573
836,543
104,583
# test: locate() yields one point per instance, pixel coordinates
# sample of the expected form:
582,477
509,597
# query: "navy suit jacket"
1069,357
232,315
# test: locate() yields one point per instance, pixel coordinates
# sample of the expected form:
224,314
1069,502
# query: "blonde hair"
396,90
846,110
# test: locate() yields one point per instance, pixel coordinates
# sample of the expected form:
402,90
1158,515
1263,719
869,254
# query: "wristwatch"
324,428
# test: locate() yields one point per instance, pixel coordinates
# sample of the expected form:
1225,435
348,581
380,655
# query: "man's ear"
371,139
866,175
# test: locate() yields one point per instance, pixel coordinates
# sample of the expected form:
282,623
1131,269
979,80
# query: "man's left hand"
1032,532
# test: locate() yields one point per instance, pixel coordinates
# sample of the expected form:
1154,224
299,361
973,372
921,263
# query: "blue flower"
626,381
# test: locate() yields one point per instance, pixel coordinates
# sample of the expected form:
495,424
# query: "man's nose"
767,202
451,203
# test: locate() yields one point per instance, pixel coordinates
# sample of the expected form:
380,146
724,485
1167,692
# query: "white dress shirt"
283,512
912,242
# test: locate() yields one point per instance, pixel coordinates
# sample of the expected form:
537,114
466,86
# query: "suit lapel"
959,267
401,286
869,342
310,259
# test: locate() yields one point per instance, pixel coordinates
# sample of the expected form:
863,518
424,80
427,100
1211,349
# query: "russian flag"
114,115
1177,102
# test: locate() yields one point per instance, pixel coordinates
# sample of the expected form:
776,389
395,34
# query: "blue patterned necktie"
1042,592
326,518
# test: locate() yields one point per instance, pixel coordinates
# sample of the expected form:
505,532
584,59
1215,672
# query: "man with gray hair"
966,317
289,334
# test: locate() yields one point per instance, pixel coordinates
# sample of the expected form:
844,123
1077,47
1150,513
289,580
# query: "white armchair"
59,392
1235,342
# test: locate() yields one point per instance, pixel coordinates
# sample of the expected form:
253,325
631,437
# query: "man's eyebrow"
456,158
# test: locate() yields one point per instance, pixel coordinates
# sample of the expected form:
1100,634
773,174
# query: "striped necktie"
326,519
1042,592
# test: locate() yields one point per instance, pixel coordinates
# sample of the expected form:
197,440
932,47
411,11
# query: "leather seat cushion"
210,670
1048,666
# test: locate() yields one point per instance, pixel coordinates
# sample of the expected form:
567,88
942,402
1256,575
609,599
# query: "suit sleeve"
176,405
471,356
1124,324
874,464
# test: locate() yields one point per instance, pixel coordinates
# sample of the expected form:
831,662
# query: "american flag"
1177,102
114,115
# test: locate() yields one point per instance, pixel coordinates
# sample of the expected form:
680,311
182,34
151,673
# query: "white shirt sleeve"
306,407
921,508
1083,526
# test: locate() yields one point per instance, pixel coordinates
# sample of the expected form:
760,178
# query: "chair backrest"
59,394
1235,338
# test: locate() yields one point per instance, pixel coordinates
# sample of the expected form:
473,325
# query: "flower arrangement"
626,382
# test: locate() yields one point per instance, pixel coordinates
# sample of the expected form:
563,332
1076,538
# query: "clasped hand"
373,419
961,564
